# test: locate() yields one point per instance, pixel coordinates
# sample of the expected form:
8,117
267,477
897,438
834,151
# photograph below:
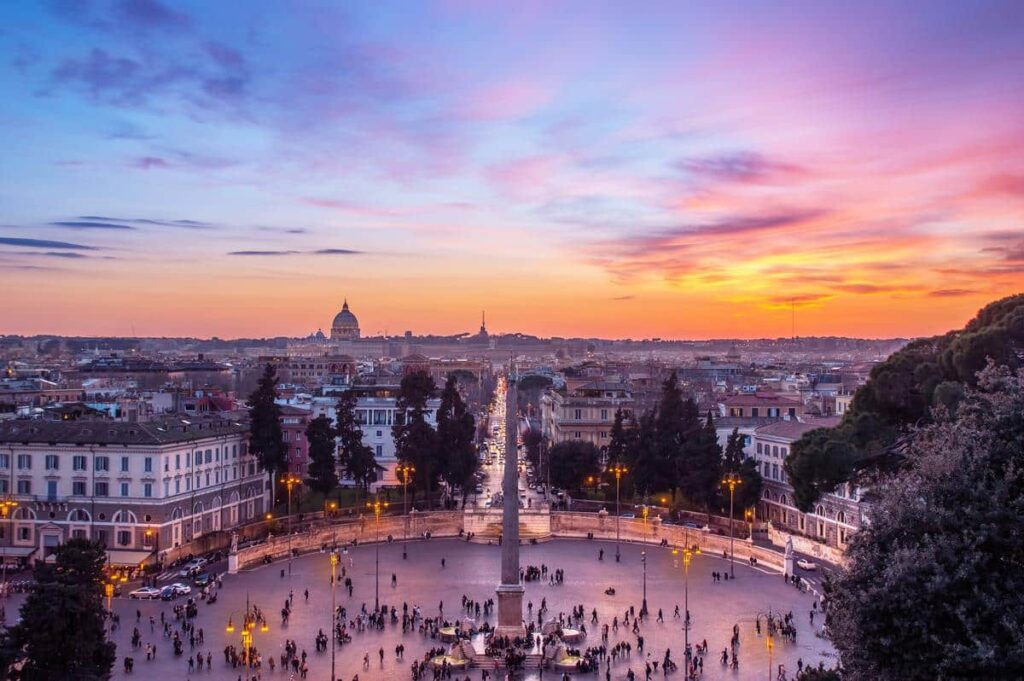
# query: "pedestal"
232,563
510,611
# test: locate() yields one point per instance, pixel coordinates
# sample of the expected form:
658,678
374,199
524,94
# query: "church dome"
345,324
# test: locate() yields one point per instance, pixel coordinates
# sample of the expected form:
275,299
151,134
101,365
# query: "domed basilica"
345,326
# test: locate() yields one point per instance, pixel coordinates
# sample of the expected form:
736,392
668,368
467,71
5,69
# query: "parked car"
145,593
168,593
805,564
182,589
629,515
202,579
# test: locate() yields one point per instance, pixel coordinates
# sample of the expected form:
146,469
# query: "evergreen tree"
62,633
355,458
932,586
621,439
415,439
701,464
455,441
646,469
748,492
322,471
572,461
266,439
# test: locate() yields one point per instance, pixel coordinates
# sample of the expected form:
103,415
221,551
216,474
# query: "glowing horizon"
671,170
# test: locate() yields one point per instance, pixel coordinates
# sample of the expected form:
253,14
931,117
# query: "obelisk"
510,591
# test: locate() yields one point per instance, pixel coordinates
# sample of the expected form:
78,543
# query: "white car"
145,593
182,589
805,564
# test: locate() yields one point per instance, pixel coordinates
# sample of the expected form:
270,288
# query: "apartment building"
141,488
585,412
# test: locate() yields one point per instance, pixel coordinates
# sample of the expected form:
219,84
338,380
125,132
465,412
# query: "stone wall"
807,546
487,522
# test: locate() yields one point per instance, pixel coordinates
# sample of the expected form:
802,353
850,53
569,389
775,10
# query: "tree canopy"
415,439
266,438
572,461
355,458
456,431
932,588
901,392
321,471
62,632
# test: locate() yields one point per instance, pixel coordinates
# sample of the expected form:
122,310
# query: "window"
147,489
79,463
604,414
285,436
24,487
124,489
380,433
5,486
124,537
167,488
380,450
5,460
51,490
209,455
603,435
754,412
579,414
102,463
773,412
792,413
78,488
177,486
234,451
24,462
147,464
578,435
759,448
124,464
198,458
25,533
177,462
101,489
52,462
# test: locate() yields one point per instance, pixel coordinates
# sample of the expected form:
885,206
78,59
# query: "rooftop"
155,432
794,430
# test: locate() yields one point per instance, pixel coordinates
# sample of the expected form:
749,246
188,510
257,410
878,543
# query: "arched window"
24,514
784,500
176,514
768,495
79,516
841,517
125,518
197,508
820,510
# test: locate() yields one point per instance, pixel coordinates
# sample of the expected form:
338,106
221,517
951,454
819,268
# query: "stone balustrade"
484,523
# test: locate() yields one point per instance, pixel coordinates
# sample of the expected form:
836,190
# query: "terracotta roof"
759,399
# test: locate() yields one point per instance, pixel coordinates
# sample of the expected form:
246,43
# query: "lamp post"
377,506
334,608
748,515
643,606
688,555
730,481
248,624
5,512
770,641
406,470
289,481
619,470
645,511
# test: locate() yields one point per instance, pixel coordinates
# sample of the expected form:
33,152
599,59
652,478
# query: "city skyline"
683,171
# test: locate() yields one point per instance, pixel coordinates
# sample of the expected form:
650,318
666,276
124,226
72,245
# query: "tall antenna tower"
792,318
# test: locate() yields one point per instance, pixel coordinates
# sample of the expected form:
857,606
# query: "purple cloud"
88,224
748,167
44,243
150,14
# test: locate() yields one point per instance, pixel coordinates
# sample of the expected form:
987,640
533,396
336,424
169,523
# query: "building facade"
835,517
761,405
141,488
585,413
376,409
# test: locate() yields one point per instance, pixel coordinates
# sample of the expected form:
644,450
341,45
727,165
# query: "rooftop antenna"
792,318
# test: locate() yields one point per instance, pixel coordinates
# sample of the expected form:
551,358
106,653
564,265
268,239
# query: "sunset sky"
641,169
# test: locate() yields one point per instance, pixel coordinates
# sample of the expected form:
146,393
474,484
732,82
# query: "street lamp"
289,481
748,515
377,506
688,555
619,470
406,470
730,481
5,512
770,642
643,560
645,511
249,621
334,608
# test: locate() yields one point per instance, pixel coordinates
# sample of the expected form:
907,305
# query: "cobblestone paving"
472,570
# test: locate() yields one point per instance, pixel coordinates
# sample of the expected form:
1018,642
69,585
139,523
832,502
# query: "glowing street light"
619,470
730,481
